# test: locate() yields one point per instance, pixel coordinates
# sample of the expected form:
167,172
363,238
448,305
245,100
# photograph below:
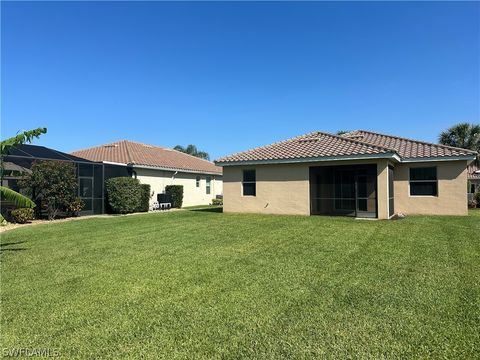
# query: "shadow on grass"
5,246
209,209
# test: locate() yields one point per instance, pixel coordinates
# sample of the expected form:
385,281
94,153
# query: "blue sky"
231,76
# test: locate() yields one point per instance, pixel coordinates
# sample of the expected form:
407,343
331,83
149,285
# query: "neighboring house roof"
474,170
42,153
310,146
138,154
408,148
354,145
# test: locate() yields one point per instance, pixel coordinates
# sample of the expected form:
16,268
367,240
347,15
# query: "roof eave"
439,158
388,155
164,168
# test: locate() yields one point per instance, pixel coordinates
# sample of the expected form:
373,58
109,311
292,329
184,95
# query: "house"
159,167
90,174
361,174
473,178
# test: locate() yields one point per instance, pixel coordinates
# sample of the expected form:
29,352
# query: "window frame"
254,182
208,185
429,181
197,181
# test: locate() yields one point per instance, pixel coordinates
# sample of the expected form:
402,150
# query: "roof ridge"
196,157
413,140
274,143
359,142
97,146
300,137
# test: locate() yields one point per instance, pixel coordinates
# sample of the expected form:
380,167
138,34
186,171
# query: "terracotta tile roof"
355,143
473,170
313,145
135,153
407,148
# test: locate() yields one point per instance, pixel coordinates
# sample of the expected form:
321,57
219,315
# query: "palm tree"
5,145
192,150
463,135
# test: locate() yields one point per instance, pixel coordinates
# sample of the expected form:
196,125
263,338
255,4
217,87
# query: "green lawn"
202,284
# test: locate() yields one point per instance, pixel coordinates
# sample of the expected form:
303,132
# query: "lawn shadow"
5,246
209,209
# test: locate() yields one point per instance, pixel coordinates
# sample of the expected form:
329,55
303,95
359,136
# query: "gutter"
164,168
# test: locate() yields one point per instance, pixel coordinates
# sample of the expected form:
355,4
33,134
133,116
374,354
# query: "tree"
463,135
192,150
5,145
342,132
52,184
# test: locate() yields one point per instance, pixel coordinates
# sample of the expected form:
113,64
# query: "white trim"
313,159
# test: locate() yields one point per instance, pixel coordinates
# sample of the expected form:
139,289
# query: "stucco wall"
192,195
285,188
281,189
452,190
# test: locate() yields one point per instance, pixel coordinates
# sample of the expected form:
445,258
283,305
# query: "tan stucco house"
159,167
360,173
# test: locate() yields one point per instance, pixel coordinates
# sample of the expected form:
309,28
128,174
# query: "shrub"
75,206
217,201
22,215
476,197
144,198
123,194
176,194
52,185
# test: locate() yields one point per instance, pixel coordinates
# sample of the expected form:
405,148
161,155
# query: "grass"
202,284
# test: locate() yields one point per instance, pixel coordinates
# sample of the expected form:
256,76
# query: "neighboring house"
473,178
159,167
361,173
90,174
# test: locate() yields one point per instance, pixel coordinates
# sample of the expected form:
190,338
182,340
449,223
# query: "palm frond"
18,199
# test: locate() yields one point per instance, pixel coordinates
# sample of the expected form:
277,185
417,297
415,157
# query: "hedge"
144,198
126,195
176,194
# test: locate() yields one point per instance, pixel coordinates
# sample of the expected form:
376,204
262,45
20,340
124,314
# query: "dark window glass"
423,181
208,181
423,188
429,173
249,183
98,181
197,181
85,170
97,206
87,204
85,187
249,189
248,175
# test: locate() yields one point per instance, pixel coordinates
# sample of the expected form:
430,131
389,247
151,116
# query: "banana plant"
5,145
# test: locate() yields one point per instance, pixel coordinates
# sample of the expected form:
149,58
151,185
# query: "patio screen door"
344,190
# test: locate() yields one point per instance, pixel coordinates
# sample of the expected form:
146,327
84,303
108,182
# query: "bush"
144,198
476,197
52,185
75,206
217,202
22,215
123,194
176,194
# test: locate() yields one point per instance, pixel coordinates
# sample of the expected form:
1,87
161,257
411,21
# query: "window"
423,181
249,183
209,181
197,181
472,189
